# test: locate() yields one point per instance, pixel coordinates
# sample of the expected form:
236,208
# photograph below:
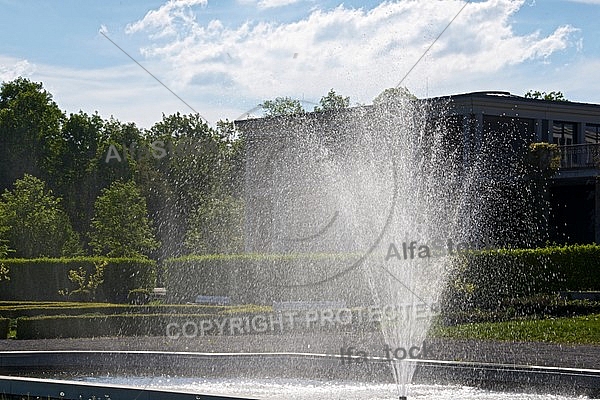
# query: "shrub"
41,279
486,278
97,325
264,278
87,283
15,310
4,328
138,296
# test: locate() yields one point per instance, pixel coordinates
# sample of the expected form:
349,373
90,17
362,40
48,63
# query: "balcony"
579,156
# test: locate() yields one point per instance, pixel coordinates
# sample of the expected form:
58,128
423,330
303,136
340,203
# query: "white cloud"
275,3
223,70
356,51
265,4
11,68
586,1
126,92
166,15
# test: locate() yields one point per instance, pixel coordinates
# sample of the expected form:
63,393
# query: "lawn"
574,330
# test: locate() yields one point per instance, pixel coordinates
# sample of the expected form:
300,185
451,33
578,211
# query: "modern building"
504,120
573,126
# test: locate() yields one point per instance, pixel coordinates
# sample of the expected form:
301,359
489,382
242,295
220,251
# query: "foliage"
16,309
239,275
29,125
41,279
393,97
544,158
553,96
4,249
4,328
4,272
333,101
71,155
485,279
87,284
202,164
36,224
216,227
120,227
282,106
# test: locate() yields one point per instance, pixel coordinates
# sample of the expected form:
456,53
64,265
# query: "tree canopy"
554,96
177,167
282,106
393,95
34,223
333,101
120,227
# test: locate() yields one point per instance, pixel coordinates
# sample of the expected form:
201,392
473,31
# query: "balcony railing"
580,156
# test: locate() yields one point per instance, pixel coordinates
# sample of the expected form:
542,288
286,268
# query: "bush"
486,279
14,311
41,279
4,328
47,327
264,278
138,296
83,326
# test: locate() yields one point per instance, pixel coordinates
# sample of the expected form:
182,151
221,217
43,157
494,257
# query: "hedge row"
4,328
511,309
240,323
41,279
485,279
49,327
265,278
481,279
29,310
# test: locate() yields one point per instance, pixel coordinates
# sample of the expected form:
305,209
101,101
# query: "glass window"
563,133
592,133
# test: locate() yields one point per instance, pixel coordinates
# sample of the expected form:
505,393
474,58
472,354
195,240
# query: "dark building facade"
574,214
499,121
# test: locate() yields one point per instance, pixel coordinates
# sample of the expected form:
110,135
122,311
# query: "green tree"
202,163
120,226
4,249
393,96
216,227
333,101
36,224
30,122
554,96
282,106
72,168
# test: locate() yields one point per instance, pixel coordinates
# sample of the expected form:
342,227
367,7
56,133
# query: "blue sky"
225,57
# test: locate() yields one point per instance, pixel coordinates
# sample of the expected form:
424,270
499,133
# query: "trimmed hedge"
262,278
4,328
485,279
481,279
56,309
41,279
49,327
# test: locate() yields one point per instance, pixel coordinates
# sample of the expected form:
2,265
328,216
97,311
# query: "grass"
574,330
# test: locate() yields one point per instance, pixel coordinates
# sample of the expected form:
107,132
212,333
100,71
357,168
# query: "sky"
223,58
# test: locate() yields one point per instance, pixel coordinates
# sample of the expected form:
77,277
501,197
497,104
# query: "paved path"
543,354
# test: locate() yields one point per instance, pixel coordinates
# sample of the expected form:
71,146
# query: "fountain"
393,185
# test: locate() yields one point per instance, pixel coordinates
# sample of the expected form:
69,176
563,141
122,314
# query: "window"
592,133
563,133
